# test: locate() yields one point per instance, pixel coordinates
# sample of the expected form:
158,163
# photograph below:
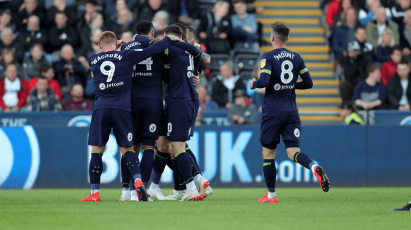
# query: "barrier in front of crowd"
48,157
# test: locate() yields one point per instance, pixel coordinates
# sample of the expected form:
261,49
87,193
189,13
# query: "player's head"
191,34
184,30
374,72
145,28
279,32
173,30
108,40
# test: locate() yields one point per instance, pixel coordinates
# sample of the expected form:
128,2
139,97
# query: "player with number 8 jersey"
280,69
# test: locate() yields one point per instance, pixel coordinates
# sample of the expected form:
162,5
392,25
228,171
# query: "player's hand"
250,84
92,75
196,78
176,39
120,43
154,40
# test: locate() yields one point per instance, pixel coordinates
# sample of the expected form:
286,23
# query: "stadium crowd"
371,44
46,44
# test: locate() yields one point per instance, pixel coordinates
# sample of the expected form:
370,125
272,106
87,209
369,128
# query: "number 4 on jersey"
148,62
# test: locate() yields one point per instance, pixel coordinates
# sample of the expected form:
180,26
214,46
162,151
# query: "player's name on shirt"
129,46
284,54
107,55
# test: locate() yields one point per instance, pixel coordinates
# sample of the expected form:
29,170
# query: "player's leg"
405,208
291,136
125,180
269,138
147,161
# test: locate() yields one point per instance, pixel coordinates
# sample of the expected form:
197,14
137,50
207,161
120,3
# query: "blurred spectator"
13,90
91,7
384,49
199,118
366,48
370,93
6,58
184,11
215,27
32,34
332,10
61,6
113,6
207,105
77,102
126,36
354,64
389,68
96,22
341,16
45,70
6,20
398,11
120,5
244,24
399,88
42,98
31,65
67,69
160,21
8,41
90,49
124,22
367,12
61,33
377,27
148,12
349,112
240,113
225,85
405,34
30,7
345,33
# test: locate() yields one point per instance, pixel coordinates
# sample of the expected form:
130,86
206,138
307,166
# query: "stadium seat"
246,74
245,48
217,60
245,62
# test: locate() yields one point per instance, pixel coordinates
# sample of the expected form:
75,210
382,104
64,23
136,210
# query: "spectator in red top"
47,71
78,103
332,10
389,68
13,90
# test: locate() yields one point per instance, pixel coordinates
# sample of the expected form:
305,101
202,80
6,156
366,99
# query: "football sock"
132,185
184,166
196,169
133,164
303,159
125,173
95,169
125,190
270,176
147,163
181,186
160,162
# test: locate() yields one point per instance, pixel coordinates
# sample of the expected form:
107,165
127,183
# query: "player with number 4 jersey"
280,69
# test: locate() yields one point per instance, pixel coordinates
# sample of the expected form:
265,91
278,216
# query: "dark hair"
403,62
38,45
238,1
192,30
173,30
361,27
372,67
183,28
93,2
44,67
5,11
280,31
60,12
393,49
144,27
353,5
42,78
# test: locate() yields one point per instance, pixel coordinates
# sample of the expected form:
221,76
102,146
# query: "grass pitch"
299,208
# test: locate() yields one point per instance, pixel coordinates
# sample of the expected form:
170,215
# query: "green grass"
299,208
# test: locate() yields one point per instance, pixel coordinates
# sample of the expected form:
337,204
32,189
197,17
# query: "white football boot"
156,193
176,195
125,196
134,196
209,190
192,195
202,185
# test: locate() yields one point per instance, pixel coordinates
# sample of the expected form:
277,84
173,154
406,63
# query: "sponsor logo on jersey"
104,86
296,132
153,128
277,87
263,63
282,87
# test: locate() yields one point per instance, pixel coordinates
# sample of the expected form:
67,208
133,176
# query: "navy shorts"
103,120
193,123
147,118
289,127
179,120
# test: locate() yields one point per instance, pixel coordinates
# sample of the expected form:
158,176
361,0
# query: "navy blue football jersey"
147,74
279,72
113,72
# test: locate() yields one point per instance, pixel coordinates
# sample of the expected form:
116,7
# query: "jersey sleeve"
192,49
265,73
306,82
137,55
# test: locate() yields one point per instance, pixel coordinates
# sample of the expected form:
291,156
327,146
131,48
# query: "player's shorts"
193,123
103,120
179,119
289,127
147,119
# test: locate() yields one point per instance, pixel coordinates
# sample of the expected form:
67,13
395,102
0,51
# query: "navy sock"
160,162
184,166
132,186
303,159
133,164
147,163
125,173
195,168
270,174
95,169
174,167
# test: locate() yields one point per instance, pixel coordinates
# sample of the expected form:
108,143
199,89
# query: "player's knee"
163,145
98,149
137,147
291,152
124,150
268,153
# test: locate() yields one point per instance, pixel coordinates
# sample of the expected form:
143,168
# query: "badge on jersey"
263,63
